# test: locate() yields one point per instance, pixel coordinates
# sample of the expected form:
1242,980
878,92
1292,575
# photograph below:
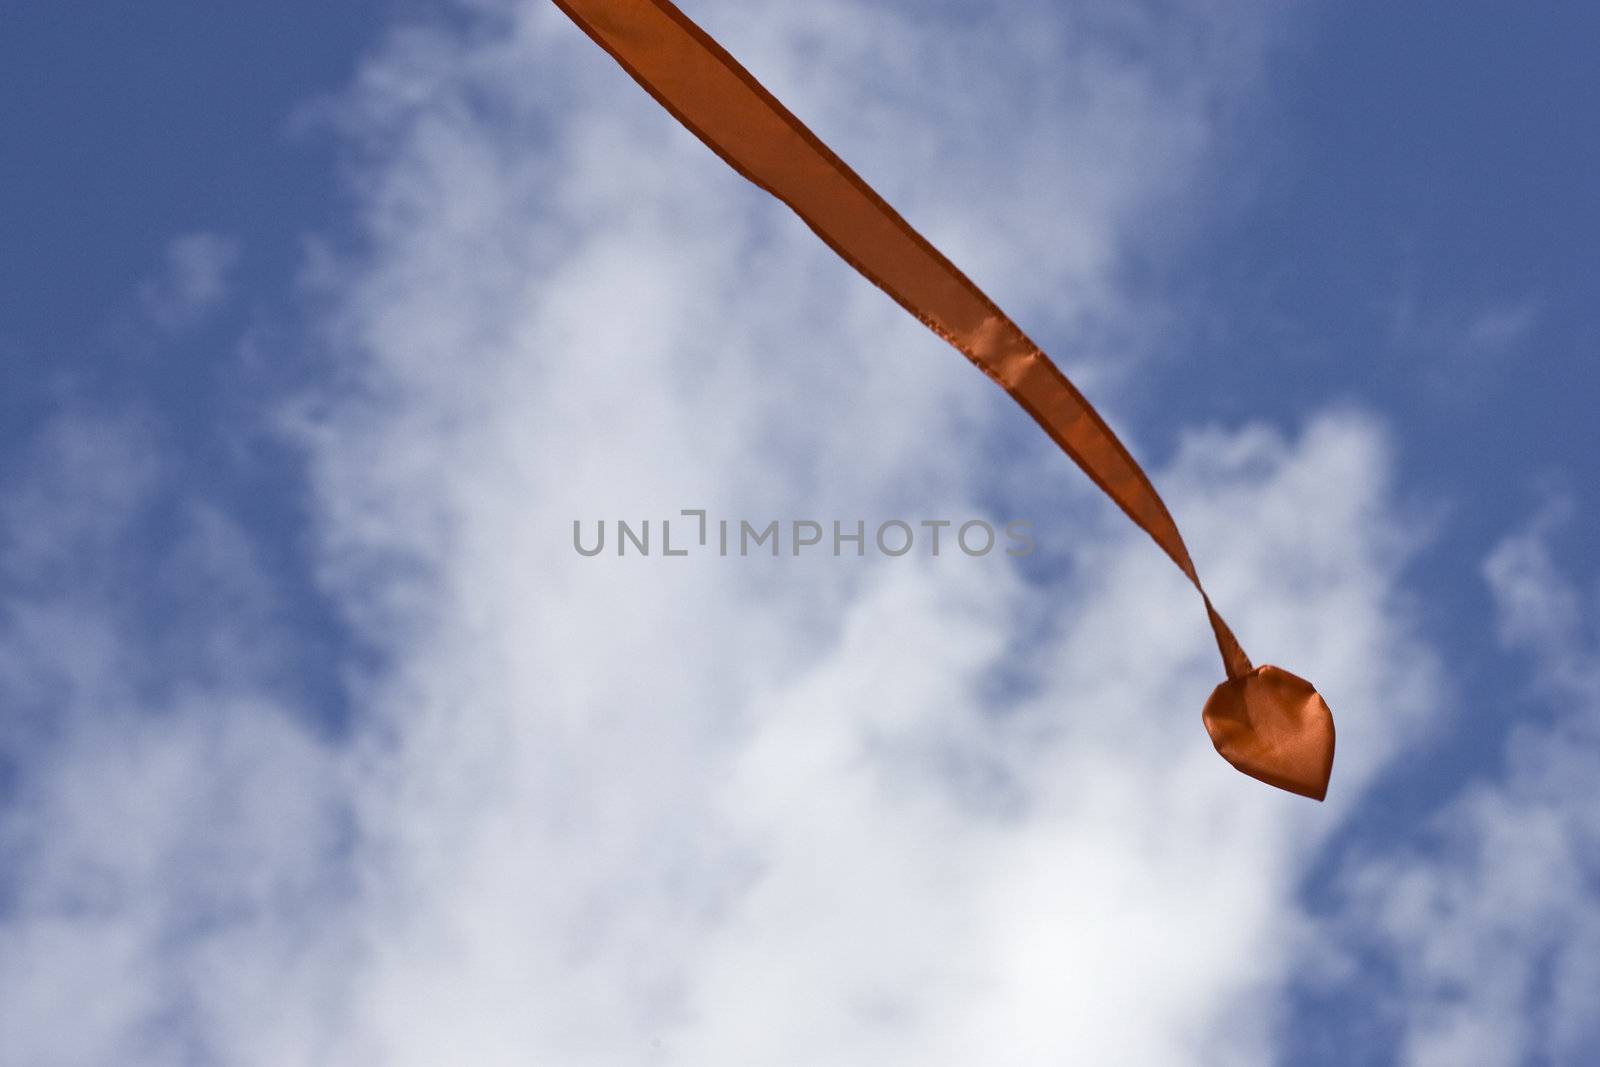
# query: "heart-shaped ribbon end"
1274,726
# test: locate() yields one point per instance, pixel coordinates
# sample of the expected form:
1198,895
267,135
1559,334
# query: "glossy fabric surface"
1274,726
696,80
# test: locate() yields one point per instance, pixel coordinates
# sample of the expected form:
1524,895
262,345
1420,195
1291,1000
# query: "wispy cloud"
1461,348
194,279
170,832
711,814
1492,922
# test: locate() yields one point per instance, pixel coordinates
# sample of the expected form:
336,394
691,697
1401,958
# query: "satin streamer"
1265,721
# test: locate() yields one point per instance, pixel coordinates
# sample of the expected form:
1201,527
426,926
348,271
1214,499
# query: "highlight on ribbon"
1268,723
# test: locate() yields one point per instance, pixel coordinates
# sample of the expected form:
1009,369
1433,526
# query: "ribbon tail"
1265,721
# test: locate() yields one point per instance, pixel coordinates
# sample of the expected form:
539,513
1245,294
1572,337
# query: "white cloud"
713,811
1492,924
170,842
717,813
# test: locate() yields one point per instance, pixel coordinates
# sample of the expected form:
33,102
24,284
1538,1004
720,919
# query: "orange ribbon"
1267,722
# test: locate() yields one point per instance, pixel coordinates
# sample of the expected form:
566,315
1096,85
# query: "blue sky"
316,320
